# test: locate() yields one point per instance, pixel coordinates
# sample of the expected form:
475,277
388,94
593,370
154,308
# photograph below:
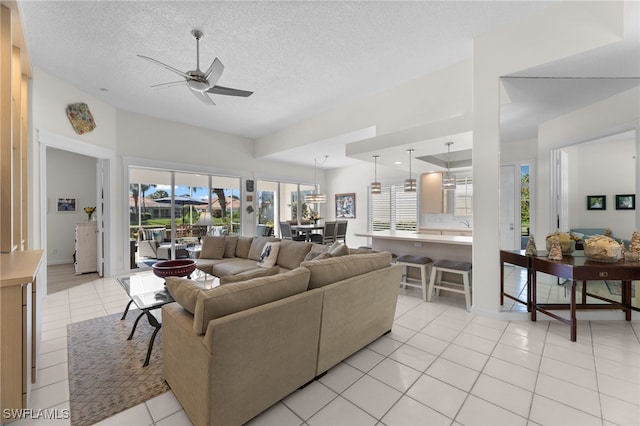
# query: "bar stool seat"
420,262
452,267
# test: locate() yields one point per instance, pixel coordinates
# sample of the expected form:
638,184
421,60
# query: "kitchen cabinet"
433,199
19,329
86,258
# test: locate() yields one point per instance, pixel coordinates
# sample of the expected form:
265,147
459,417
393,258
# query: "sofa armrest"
148,248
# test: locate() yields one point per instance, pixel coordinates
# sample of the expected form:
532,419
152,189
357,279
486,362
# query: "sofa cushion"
334,269
269,255
248,275
243,246
292,253
234,266
257,245
230,244
184,291
230,298
212,248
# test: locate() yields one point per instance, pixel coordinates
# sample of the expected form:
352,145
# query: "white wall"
68,175
561,31
598,174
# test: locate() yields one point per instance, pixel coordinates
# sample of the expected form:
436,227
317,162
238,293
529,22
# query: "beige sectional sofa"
231,352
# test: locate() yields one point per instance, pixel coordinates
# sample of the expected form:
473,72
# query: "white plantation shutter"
393,209
463,197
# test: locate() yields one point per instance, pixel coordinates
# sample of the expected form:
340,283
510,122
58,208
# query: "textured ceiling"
300,58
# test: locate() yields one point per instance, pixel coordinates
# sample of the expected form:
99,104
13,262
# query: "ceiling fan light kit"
200,83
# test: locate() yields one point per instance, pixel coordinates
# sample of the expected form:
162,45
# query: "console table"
574,269
18,327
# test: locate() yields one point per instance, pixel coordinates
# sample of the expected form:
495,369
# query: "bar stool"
420,262
453,267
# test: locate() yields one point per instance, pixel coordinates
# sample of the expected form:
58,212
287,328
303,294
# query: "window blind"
393,209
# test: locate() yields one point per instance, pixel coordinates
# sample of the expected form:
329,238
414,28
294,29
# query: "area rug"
106,375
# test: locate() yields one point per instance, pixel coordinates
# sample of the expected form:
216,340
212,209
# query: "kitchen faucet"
466,223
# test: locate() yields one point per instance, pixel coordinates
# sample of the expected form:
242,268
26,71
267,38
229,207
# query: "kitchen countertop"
412,236
432,228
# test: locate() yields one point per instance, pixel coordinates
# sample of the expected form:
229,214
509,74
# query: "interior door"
509,226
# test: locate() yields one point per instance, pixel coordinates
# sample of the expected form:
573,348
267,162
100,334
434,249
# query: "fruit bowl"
174,268
567,243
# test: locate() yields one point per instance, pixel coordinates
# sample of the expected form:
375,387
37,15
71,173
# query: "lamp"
376,187
316,197
448,180
410,184
205,219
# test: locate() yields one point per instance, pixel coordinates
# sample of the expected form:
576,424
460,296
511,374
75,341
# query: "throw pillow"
246,276
338,249
243,246
257,245
269,255
292,253
212,248
158,235
230,243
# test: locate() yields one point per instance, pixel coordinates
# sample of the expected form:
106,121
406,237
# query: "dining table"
308,229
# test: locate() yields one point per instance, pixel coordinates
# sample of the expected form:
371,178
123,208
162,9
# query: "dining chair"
341,231
285,232
329,233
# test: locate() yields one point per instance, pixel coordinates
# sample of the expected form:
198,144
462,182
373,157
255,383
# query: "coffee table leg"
126,310
135,324
154,322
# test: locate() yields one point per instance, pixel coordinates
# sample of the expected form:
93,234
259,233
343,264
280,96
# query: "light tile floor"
440,365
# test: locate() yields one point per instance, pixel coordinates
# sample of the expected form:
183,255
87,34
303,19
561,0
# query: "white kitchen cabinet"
86,257
432,200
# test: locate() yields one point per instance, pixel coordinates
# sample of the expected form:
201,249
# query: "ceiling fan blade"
170,84
203,97
214,72
220,90
170,68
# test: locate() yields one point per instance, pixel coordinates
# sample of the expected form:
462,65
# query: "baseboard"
60,262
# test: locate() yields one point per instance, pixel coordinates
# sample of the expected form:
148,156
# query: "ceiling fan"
201,83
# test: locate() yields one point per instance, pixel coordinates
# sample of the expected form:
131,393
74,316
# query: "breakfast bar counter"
451,247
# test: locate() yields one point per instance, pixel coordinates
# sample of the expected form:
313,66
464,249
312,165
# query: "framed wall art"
596,202
626,202
66,205
346,206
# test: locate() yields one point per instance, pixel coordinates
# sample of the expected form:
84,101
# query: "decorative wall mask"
80,117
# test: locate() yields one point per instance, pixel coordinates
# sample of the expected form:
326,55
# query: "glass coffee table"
147,292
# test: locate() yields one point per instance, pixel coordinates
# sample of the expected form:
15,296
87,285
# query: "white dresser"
86,258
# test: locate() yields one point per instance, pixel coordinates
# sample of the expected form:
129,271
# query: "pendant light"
376,187
448,180
410,184
316,197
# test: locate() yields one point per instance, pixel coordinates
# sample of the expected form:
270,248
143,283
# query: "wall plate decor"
346,206
626,202
66,205
249,198
249,209
249,185
596,202
81,118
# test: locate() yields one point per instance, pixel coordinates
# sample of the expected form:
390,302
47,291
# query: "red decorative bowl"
174,268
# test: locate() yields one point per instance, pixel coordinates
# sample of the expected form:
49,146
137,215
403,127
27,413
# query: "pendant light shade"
410,184
376,187
448,180
316,197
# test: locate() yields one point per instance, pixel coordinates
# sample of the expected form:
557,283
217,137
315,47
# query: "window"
393,209
463,196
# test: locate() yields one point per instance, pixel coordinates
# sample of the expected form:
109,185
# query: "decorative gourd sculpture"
531,249
555,253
